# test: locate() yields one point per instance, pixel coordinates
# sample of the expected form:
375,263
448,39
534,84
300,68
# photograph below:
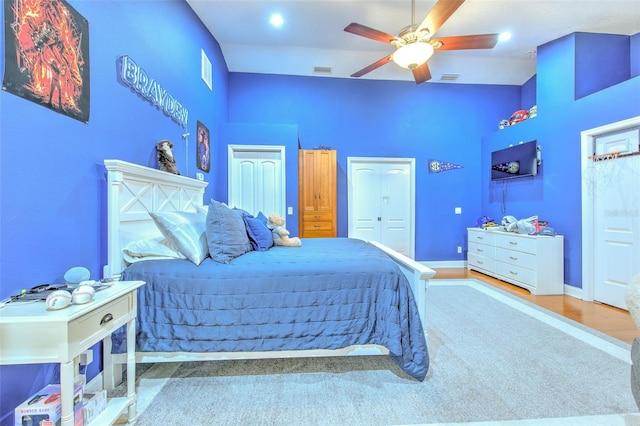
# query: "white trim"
588,244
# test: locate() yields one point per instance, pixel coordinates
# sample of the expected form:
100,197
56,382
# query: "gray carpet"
489,361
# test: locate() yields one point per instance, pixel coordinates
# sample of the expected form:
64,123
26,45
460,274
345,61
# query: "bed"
337,296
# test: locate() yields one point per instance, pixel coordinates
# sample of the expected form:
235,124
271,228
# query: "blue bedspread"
328,294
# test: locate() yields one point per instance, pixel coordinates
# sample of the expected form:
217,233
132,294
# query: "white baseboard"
572,291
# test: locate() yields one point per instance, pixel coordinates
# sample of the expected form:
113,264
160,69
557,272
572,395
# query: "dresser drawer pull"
105,319
513,258
317,217
480,238
480,262
480,250
513,273
513,243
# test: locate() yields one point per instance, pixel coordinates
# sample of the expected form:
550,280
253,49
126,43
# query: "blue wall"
52,207
571,98
52,210
365,118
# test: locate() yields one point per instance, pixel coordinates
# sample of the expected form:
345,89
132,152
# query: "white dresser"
530,261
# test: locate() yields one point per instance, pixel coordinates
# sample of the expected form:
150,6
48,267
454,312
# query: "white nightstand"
31,335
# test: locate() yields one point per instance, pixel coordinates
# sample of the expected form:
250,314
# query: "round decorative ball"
76,275
59,299
83,294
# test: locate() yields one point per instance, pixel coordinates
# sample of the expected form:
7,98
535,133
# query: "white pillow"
186,231
150,249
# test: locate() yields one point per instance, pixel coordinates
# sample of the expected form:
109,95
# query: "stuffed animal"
280,233
166,161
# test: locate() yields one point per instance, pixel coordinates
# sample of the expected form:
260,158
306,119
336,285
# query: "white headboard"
132,192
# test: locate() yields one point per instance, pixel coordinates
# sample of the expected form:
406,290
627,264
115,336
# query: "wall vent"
322,70
449,77
206,70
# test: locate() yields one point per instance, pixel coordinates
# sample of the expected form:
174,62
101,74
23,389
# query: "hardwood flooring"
607,319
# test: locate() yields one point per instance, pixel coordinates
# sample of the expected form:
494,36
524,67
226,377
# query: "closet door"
381,195
256,179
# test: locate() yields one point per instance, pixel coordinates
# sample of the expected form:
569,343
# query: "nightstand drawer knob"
105,319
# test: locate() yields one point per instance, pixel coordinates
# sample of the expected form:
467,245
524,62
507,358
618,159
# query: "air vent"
449,77
322,70
206,69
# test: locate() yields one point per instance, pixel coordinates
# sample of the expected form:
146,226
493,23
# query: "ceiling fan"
415,45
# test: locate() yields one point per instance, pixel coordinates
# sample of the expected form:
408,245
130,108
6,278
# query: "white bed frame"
135,190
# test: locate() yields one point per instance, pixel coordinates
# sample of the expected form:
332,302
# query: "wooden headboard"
132,192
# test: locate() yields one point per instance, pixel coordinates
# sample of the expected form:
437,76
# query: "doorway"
381,201
610,211
256,178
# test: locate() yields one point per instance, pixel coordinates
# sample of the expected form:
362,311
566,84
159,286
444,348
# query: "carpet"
493,358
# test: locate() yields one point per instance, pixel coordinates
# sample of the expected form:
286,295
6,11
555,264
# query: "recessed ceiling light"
504,36
276,20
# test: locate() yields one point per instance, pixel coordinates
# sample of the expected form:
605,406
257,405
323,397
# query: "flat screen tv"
515,162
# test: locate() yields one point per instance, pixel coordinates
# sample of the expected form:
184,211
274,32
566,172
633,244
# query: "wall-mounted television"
515,162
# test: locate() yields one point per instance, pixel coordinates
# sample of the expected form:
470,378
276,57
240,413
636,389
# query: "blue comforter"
328,294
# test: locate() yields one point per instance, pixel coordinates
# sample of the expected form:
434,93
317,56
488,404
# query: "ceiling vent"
322,70
449,77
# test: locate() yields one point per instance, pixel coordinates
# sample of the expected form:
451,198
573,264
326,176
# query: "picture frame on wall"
203,147
47,55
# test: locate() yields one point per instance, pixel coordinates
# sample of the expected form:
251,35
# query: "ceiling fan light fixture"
413,55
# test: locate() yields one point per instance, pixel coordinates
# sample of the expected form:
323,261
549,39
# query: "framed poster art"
203,148
47,55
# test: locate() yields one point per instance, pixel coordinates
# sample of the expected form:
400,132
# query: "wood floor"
607,319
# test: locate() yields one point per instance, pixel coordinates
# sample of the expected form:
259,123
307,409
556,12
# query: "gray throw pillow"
226,233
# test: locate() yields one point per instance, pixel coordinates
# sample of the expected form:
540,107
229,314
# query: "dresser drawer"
317,216
480,262
317,226
99,323
481,237
517,258
524,244
516,273
481,250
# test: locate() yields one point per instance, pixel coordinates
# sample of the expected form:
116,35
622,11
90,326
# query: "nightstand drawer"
97,324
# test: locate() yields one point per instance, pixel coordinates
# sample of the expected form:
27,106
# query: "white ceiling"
313,34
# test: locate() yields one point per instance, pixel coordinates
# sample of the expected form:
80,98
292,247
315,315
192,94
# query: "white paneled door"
616,217
257,179
381,194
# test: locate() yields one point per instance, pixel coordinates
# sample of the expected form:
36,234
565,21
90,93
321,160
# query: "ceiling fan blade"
439,15
422,73
372,67
367,32
479,41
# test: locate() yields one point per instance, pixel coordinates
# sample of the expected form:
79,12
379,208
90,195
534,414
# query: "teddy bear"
280,233
166,161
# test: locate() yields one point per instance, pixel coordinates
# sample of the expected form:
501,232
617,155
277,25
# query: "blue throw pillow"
259,235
